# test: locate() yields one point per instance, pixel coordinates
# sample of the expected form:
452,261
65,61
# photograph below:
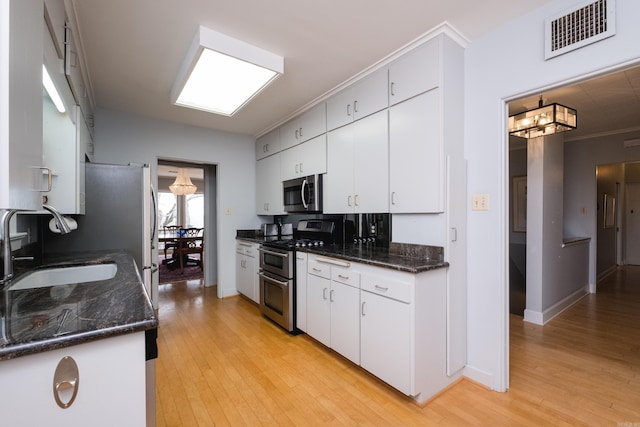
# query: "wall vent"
588,23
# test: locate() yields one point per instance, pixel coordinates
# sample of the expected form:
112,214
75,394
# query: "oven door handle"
271,279
281,255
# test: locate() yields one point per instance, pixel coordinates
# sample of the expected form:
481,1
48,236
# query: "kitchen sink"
57,276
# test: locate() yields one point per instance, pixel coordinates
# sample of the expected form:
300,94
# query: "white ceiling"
133,49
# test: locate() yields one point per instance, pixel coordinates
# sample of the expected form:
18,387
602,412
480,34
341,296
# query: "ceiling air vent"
589,23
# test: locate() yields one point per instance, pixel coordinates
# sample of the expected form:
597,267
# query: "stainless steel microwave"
303,194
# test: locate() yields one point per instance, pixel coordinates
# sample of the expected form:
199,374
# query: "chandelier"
542,121
182,186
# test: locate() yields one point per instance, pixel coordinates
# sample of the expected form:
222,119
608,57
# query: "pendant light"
182,185
542,121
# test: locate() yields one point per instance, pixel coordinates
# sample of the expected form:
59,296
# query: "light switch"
480,202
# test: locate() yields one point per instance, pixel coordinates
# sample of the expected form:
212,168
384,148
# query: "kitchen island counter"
48,318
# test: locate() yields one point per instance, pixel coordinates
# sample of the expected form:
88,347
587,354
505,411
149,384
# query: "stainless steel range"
277,268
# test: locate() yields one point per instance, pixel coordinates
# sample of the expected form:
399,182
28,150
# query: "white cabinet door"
371,164
301,291
357,167
415,72
63,153
21,37
338,183
247,282
370,94
269,186
385,340
365,97
305,159
268,144
318,308
340,109
111,386
416,160
345,320
309,124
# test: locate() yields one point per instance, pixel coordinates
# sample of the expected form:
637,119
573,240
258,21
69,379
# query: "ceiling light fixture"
543,121
51,90
182,186
221,74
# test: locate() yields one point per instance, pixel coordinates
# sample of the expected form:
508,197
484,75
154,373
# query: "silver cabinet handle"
381,288
332,261
296,133
349,201
66,381
362,311
392,89
343,277
355,106
348,109
49,179
331,294
324,293
300,132
355,200
301,167
393,197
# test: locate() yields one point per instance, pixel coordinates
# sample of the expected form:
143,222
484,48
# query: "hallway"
222,363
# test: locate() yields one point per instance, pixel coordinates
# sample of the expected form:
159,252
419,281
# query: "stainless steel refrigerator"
120,214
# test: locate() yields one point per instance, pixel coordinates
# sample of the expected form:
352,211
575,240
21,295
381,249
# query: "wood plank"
221,363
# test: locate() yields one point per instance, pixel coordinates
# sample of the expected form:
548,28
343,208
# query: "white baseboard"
479,376
542,318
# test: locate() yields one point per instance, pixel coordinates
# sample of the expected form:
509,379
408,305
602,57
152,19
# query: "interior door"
632,213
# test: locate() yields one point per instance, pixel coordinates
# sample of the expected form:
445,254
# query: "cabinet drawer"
346,276
396,289
318,269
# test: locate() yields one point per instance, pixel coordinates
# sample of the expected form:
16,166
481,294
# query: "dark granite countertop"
48,318
399,256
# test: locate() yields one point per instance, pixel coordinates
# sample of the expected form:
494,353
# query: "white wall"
121,138
503,65
582,157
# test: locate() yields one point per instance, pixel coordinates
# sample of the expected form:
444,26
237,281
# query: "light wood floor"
223,364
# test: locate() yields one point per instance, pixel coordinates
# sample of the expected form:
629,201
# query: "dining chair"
170,231
191,241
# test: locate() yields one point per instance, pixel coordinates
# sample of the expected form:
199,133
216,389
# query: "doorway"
178,212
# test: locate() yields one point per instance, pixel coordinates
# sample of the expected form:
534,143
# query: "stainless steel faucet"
6,244
6,238
60,222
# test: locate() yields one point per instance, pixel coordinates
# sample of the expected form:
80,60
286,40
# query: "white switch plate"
480,202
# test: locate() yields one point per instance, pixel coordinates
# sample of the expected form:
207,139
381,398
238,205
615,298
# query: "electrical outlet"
480,202
228,212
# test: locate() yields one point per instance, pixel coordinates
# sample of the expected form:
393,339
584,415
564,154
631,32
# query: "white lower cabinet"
391,323
110,385
247,280
385,339
332,307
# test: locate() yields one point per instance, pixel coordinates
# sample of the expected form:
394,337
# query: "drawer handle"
316,269
333,261
381,288
343,277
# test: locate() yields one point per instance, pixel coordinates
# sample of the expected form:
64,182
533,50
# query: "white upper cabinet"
305,159
416,161
415,72
268,144
269,186
307,125
357,177
21,36
363,98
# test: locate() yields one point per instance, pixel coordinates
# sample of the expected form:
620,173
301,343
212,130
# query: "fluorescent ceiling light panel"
221,74
51,90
